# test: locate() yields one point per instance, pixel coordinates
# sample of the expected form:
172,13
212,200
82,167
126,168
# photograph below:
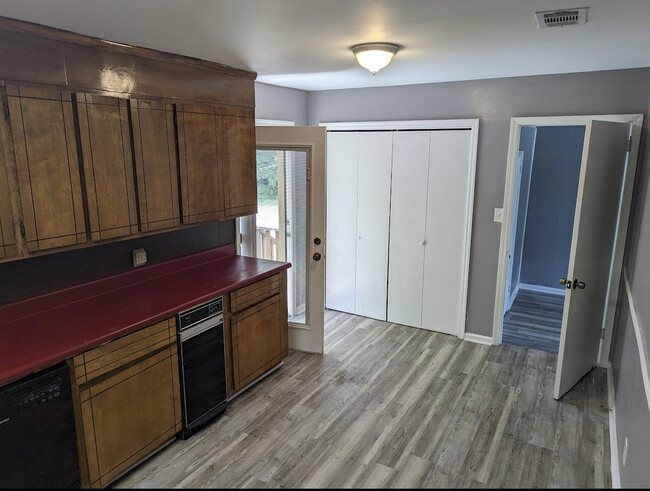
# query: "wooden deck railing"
267,243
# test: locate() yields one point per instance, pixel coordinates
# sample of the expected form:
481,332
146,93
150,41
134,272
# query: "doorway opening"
290,225
609,156
543,209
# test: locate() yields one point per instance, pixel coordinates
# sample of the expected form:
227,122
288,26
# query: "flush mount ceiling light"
375,56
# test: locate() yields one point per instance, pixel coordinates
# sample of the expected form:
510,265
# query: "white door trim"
636,120
434,124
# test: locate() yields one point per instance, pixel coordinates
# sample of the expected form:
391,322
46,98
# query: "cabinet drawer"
116,354
255,293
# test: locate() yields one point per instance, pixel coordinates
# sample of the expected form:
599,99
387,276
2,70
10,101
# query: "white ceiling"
305,43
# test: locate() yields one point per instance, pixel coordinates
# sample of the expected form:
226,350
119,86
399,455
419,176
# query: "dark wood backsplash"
44,274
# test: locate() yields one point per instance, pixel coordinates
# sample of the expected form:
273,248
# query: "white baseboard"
613,438
477,338
542,289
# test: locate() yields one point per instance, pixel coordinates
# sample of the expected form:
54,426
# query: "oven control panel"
200,313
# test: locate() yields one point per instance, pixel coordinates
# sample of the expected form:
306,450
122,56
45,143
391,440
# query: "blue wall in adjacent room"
551,205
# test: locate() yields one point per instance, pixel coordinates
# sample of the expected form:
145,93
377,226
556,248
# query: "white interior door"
373,213
447,220
302,151
513,233
342,168
604,159
407,226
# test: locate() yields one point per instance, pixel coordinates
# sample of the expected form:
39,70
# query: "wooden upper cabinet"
42,124
199,136
240,191
108,166
156,164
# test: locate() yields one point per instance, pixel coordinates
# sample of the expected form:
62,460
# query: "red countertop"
42,331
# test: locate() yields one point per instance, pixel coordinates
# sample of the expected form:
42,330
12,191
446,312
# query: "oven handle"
201,327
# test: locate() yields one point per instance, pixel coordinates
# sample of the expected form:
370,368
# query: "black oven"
203,367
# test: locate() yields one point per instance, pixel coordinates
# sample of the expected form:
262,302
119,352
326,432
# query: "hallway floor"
534,321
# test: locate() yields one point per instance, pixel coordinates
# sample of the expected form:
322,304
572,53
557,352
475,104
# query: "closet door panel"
407,227
446,230
342,163
373,213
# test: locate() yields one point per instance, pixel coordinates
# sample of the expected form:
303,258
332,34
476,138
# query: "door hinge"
5,107
602,334
308,173
22,229
629,144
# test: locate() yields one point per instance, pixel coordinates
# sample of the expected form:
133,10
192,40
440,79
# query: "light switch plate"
139,257
498,215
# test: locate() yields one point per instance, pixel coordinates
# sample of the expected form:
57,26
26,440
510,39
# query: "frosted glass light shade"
375,56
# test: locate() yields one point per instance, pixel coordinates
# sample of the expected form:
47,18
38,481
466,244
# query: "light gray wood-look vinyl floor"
394,406
534,320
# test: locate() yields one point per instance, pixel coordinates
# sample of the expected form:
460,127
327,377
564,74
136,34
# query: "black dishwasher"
38,446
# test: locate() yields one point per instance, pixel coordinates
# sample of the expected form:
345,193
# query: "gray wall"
526,145
551,205
494,102
632,415
273,102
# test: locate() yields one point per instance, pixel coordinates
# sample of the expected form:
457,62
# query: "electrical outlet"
625,445
139,257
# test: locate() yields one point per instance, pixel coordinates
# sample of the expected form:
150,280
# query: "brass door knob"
564,281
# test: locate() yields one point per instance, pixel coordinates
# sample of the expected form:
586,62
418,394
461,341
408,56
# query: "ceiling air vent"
559,18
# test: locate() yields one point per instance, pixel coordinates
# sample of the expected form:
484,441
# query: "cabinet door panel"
48,169
446,235
257,341
106,146
373,212
201,188
132,415
7,236
407,227
156,164
240,191
341,243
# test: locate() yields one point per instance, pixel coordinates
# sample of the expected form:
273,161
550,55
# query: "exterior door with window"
290,223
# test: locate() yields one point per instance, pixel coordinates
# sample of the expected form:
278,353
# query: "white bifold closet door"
358,213
428,229
407,226
340,246
373,215
446,237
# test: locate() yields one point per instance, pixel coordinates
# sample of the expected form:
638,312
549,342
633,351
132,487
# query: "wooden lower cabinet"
258,329
127,401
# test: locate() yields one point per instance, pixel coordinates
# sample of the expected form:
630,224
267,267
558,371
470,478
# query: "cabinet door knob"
317,256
